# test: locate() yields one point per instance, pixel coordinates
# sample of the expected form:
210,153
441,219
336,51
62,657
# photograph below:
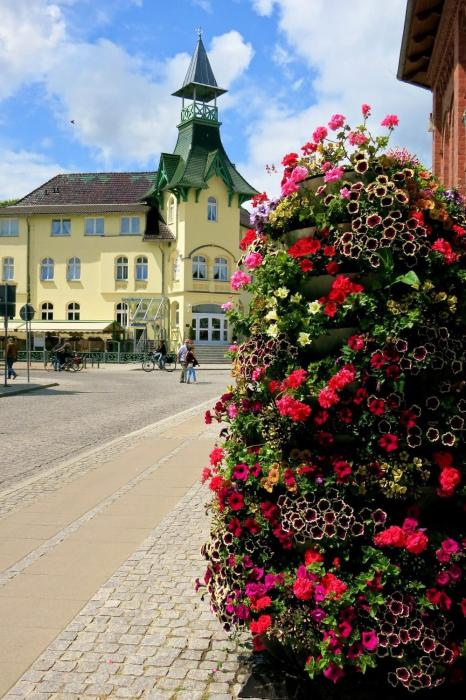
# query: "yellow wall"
98,292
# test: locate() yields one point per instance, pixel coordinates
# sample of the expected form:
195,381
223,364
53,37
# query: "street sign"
27,312
7,300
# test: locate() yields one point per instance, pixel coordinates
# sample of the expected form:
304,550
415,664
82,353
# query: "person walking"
182,352
191,363
11,355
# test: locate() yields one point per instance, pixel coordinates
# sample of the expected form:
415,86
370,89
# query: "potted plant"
338,488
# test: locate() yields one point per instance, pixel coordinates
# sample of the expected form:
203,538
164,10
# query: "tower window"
142,268
121,268
211,209
199,268
221,269
171,211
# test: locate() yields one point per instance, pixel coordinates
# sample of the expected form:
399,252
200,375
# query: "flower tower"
338,490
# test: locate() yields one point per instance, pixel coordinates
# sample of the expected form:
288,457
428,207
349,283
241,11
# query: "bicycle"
72,364
149,364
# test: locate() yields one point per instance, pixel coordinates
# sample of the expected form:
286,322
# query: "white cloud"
351,51
263,7
205,5
281,56
22,171
31,33
229,56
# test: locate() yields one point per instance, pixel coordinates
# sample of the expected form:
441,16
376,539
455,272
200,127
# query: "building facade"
151,251
433,56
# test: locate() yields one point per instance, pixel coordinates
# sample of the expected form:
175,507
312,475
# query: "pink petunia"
253,260
227,306
365,109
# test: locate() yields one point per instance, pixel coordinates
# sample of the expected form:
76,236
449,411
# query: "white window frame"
133,223
46,311
141,269
212,210
121,268
122,313
9,227
73,311
199,263
8,268
221,269
176,268
47,269
73,269
93,224
63,229
171,211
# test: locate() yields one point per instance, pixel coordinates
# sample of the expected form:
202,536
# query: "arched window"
171,211
221,269
211,209
8,269
199,268
46,311
47,269
176,268
121,268
142,268
121,315
73,270
73,311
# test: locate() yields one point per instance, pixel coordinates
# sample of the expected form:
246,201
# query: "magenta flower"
333,672
253,260
239,279
369,640
319,134
390,121
334,174
289,187
299,173
241,472
232,410
345,193
365,109
336,121
450,546
227,306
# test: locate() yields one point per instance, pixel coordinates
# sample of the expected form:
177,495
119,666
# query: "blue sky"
111,65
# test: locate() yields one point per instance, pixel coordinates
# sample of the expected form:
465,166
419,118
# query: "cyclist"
160,354
64,352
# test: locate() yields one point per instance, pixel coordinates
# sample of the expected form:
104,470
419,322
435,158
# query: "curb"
25,389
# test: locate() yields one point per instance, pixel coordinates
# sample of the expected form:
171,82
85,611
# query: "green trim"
197,192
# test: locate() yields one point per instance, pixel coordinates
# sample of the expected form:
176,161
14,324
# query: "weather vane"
199,32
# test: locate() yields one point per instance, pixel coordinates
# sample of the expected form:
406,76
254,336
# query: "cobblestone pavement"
87,410
146,633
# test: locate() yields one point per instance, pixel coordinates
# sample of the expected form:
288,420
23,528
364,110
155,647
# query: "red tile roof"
92,188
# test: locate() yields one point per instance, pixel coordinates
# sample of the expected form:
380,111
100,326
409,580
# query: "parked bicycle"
150,363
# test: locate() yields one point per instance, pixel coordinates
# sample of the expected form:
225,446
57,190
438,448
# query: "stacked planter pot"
338,508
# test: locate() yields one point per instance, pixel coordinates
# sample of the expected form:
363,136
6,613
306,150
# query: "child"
191,363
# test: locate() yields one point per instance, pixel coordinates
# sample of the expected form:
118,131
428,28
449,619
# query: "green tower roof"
199,83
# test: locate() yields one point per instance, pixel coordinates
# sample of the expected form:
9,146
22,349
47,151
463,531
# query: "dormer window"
211,209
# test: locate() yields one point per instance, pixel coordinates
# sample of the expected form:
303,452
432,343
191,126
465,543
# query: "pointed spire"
199,83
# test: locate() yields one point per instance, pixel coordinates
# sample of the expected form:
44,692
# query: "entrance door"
210,329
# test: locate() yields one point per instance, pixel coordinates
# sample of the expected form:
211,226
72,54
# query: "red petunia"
306,265
261,625
303,588
393,536
376,407
416,542
388,442
236,501
303,247
247,239
295,379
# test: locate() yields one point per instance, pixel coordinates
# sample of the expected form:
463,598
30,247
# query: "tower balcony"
199,110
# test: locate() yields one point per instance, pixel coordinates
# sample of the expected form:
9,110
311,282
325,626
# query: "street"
44,428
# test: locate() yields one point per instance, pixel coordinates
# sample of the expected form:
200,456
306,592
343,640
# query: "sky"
85,85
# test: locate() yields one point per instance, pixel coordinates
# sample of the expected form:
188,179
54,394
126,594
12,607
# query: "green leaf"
410,278
386,258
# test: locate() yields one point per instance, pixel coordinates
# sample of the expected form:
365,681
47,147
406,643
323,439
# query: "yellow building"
153,251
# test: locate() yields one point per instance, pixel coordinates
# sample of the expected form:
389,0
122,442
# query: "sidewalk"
20,385
96,576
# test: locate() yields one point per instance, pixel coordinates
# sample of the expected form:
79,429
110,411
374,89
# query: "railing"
199,110
89,358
